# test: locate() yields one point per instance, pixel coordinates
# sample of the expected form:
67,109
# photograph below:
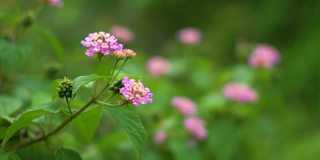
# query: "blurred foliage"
39,44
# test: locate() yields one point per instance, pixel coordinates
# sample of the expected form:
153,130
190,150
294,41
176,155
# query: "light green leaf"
8,156
122,74
9,105
88,122
80,81
52,40
131,122
23,120
67,154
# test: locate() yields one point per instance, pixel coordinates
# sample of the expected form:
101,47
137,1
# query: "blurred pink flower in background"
158,66
55,3
122,33
195,126
184,105
240,93
264,56
160,136
189,36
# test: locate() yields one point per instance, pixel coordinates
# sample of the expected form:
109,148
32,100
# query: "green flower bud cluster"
65,88
28,20
115,86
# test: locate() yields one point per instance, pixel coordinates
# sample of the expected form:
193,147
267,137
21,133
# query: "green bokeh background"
283,124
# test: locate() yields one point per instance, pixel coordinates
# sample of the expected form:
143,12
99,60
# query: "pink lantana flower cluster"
189,36
123,33
184,105
55,3
158,66
187,107
135,92
264,56
160,137
101,43
195,126
240,93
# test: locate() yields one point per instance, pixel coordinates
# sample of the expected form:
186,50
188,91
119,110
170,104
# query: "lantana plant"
115,92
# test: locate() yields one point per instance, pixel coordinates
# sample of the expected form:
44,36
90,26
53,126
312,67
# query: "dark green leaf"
88,122
131,122
67,154
52,40
9,105
23,120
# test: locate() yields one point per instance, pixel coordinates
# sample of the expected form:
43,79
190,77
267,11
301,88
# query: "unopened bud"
119,54
65,88
129,53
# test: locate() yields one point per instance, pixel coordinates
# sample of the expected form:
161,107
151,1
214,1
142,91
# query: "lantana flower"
55,3
135,92
125,53
184,105
160,137
158,66
264,56
190,36
195,126
240,93
123,33
101,43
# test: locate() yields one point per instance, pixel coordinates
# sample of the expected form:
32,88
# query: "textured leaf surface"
131,122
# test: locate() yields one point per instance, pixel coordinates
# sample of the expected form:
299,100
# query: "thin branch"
61,126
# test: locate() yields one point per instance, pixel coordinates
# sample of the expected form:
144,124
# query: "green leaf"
8,156
52,40
88,122
23,120
67,154
80,81
9,105
12,55
122,74
131,122
2,132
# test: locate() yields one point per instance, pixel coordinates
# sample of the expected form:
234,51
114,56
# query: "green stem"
60,127
68,103
114,67
98,71
118,71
